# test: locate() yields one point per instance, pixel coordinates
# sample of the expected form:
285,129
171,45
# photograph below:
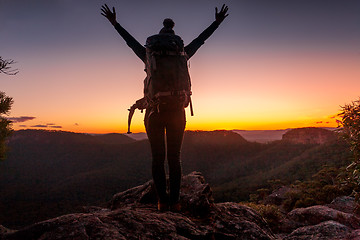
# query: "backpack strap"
155,102
170,53
165,53
172,93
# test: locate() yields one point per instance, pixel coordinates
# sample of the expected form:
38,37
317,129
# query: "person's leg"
175,126
155,130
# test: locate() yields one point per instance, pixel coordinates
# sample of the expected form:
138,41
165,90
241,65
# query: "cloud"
21,119
55,126
27,118
48,125
319,122
76,124
39,126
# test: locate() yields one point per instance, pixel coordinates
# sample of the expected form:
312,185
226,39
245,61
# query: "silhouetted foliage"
5,124
6,68
271,213
5,106
322,188
349,128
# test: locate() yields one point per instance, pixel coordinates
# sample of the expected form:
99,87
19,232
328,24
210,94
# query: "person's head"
168,26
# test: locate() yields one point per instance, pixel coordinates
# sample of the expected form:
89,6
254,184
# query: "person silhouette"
165,128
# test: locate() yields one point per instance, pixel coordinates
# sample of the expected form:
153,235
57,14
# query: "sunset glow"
77,74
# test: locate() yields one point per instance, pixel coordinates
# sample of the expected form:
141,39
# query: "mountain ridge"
260,136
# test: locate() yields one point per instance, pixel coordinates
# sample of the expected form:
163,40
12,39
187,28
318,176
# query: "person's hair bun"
168,23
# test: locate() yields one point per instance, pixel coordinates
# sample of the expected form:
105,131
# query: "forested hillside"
52,173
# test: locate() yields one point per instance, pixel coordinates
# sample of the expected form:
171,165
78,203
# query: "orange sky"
244,77
273,91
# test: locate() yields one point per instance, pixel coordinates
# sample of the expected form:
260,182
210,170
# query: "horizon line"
125,133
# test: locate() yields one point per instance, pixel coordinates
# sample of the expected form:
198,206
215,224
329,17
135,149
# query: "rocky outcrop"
324,222
344,204
309,135
316,214
337,220
323,231
132,215
195,198
354,235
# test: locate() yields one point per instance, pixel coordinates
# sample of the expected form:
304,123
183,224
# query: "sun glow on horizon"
193,124
83,77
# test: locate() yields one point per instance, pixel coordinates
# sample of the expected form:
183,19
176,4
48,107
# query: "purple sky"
70,57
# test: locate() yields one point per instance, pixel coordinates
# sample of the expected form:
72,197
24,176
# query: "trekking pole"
140,104
191,108
131,113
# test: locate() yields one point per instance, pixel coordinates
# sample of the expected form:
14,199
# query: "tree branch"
5,67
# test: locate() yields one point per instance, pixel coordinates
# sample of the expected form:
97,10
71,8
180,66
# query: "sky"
272,64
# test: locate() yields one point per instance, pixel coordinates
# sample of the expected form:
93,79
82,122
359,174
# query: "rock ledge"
132,214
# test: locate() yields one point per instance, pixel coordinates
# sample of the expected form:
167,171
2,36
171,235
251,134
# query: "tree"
5,124
5,106
349,128
5,67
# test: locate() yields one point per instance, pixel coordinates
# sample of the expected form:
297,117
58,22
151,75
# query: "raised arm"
139,49
192,47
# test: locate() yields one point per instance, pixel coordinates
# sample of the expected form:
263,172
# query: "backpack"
167,86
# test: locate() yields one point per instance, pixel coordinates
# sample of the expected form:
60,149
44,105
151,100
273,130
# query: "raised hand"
220,16
106,12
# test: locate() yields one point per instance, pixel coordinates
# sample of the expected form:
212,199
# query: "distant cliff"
309,135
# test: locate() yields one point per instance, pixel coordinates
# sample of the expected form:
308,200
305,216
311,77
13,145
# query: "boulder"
327,230
317,214
354,235
244,222
345,204
195,195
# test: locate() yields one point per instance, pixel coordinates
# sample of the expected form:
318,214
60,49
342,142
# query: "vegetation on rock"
5,106
349,128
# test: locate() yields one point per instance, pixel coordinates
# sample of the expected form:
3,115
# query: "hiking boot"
162,207
176,207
